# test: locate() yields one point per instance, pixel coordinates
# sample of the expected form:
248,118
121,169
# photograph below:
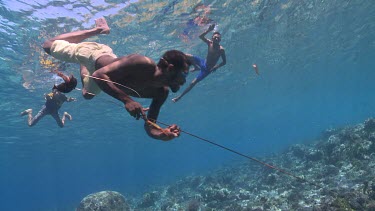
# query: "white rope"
113,83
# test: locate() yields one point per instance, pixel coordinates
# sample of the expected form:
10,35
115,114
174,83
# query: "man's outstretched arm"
105,83
64,77
152,129
202,36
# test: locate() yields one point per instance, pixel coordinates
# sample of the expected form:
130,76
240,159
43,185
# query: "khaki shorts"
84,53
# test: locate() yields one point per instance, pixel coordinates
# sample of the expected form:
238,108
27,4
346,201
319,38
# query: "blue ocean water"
316,63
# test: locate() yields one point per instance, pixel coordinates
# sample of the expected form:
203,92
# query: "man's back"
136,73
55,99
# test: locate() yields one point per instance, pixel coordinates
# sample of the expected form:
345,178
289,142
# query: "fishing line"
90,76
233,151
248,157
216,144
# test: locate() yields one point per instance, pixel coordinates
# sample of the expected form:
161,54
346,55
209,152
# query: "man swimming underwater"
215,51
54,101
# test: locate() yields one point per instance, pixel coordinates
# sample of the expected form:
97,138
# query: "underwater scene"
270,105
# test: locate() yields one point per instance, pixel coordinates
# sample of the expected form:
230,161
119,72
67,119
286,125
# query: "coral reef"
104,200
337,173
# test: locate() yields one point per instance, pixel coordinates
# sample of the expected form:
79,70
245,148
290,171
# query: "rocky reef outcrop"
103,201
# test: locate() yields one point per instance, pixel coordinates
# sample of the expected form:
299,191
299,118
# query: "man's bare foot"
66,114
175,99
101,23
27,111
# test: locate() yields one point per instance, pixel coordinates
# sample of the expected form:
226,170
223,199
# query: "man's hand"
170,133
57,72
211,27
157,132
135,109
195,69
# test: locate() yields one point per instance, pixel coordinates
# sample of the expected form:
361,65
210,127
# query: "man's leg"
66,115
198,63
193,83
84,74
79,36
32,121
61,122
65,47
